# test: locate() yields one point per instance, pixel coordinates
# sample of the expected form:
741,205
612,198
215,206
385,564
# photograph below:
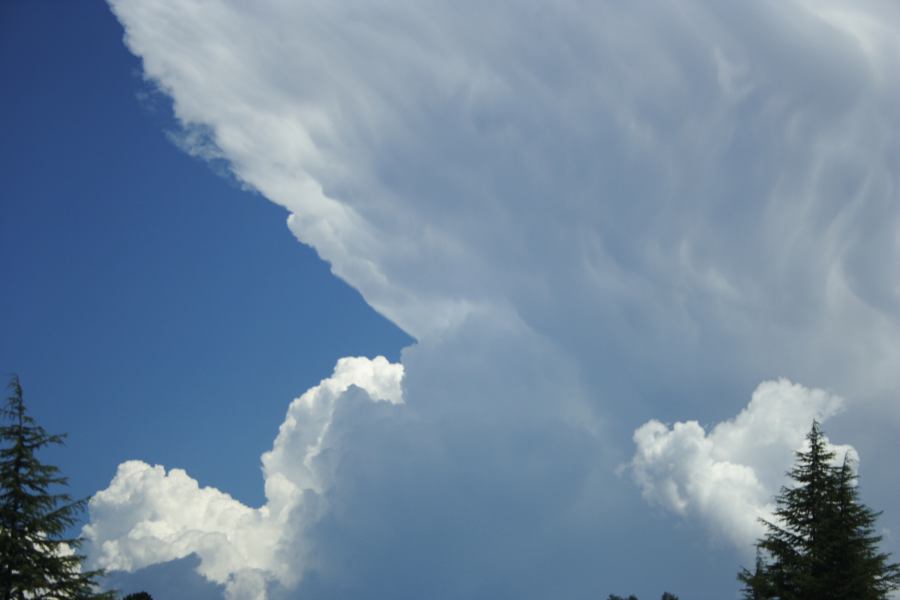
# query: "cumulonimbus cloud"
588,216
723,177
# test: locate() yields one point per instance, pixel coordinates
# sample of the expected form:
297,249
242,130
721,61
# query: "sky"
129,330
338,300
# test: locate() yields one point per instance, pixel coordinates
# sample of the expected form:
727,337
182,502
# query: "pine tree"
37,559
756,584
859,570
665,596
822,545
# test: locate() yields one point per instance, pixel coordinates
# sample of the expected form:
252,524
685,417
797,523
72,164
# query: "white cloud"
727,477
147,515
720,177
587,215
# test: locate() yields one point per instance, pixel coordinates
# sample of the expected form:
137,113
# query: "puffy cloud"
587,215
726,477
148,516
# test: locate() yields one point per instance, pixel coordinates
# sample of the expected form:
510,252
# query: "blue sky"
131,332
636,249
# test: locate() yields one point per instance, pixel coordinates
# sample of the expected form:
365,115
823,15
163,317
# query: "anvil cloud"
593,219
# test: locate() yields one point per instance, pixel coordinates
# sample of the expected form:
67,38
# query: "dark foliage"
822,545
37,560
665,596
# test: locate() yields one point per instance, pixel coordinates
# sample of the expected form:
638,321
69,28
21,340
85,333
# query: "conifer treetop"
37,559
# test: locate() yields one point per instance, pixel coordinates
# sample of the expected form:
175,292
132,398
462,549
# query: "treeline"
665,596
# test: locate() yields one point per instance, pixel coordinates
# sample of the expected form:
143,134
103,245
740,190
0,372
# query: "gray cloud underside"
589,216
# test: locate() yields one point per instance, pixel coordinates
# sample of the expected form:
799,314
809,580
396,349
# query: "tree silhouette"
665,596
822,544
37,560
858,569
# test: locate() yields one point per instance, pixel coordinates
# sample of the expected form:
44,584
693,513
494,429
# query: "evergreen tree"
859,570
665,596
822,545
37,560
756,584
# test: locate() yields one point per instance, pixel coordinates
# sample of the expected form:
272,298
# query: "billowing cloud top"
727,476
147,516
588,216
